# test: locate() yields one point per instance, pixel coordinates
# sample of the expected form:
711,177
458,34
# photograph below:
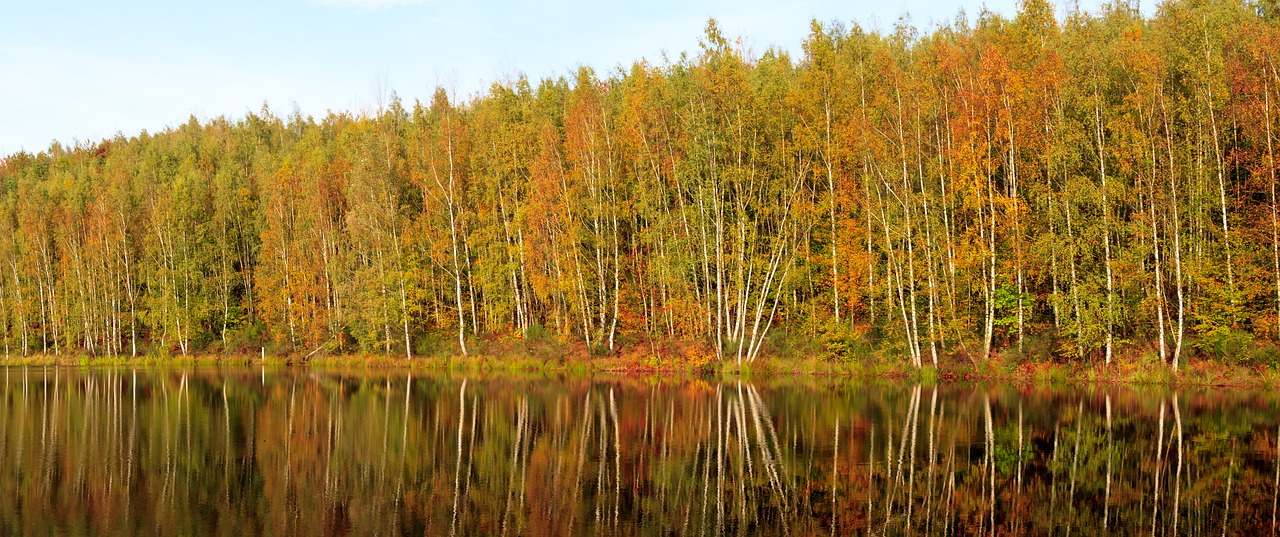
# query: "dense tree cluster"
1083,184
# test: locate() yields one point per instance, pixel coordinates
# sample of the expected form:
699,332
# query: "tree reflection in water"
311,452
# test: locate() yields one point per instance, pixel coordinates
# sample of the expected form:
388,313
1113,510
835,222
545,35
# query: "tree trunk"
1106,224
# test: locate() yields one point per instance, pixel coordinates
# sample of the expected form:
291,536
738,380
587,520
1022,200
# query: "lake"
297,451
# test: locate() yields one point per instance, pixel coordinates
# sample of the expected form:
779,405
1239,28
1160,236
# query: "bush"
760,369
840,344
785,344
1231,347
248,340
1267,355
539,343
536,333
837,347
426,344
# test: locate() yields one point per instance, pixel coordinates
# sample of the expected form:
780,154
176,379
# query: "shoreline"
1199,373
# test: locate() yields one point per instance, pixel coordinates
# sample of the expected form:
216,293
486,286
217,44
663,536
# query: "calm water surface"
309,452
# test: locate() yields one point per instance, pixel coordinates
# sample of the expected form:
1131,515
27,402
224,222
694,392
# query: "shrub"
248,340
840,344
426,344
1231,347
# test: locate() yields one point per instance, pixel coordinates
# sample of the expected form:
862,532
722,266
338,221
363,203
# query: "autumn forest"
1083,187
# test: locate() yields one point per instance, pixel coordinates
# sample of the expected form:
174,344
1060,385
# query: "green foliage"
839,344
792,345
1006,305
247,339
427,344
536,334
1266,355
1232,347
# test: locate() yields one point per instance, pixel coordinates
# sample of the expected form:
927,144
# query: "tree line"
1081,185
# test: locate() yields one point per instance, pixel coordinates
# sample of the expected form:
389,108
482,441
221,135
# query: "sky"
83,70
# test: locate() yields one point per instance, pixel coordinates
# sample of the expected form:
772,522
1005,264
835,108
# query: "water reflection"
298,452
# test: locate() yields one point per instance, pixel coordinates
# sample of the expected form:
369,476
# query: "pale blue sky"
84,70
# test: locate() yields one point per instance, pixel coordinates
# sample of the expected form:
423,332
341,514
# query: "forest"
1069,188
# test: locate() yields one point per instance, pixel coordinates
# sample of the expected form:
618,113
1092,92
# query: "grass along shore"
1138,370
